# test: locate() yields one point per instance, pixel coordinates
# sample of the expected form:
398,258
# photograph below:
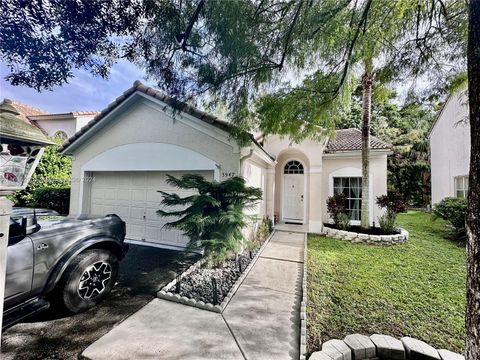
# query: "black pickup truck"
72,263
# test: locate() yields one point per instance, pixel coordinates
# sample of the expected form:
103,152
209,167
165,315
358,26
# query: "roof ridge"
157,94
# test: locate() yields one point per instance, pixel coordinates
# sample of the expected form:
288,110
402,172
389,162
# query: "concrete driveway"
262,320
57,336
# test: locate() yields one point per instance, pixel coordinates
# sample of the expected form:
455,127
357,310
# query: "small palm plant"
214,217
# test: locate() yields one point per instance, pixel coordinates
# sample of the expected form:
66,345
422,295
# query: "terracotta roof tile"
351,140
79,113
27,110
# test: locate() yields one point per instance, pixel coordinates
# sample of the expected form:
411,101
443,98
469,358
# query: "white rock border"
355,237
303,305
166,294
359,347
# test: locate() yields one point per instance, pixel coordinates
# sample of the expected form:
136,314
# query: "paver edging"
386,347
354,237
303,305
166,294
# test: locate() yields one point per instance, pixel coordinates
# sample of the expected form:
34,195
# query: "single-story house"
450,149
122,156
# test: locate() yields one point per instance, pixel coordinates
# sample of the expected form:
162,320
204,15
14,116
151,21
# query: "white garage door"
135,198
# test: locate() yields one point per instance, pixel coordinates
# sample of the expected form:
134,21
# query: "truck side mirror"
29,225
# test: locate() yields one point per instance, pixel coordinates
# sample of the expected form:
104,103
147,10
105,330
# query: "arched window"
61,135
293,167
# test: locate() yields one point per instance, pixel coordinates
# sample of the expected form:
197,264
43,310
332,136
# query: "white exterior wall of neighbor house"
67,123
144,122
450,147
350,165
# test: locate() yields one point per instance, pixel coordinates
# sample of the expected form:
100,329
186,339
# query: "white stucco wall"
82,120
145,121
450,147
309,153
54,125
256,172
351,165
63,122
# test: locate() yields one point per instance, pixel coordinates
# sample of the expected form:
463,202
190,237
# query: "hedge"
53,198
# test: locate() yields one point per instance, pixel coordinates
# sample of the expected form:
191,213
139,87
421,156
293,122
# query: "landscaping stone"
339,346
333,353
388,347
419,350
375,238
449,355
361,345
355,237
320,355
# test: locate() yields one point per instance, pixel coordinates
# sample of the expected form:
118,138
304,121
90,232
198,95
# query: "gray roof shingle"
351,140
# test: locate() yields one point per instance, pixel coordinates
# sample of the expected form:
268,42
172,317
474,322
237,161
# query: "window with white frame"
351,187
461,186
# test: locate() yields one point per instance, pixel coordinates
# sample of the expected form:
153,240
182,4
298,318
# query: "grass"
416,289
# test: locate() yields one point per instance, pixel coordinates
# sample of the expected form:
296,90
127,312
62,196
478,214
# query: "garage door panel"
135,198
138,195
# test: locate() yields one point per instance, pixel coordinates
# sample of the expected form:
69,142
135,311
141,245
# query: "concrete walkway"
262,321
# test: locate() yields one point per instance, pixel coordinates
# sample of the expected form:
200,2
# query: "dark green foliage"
392,201
214,218
406,128
388,222
53,170
44,41
454,211
336,205
53,198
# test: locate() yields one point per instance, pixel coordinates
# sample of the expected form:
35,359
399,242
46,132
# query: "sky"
84,92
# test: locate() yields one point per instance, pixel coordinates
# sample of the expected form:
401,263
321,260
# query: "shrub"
388,222
214,217
454,211
53,198
53,171
264,229
336,204
392,201
343,221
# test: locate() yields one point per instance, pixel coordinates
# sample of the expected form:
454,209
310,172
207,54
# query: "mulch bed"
360,230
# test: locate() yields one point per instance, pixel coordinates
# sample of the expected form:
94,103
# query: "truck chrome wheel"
94,280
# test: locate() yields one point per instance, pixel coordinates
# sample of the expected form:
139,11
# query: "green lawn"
416,289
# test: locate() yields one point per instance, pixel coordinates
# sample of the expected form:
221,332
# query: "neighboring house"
450,149
122,156
62,126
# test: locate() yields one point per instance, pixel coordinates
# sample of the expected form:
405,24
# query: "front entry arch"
293,192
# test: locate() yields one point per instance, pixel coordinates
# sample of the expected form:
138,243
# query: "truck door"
18,282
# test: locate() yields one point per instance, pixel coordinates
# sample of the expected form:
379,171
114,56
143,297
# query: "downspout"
245,157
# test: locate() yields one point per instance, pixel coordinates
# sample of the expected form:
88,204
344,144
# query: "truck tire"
87,280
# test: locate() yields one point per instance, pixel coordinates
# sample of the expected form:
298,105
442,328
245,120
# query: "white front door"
293,197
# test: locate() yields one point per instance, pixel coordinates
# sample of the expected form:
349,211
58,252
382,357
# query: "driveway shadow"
56,335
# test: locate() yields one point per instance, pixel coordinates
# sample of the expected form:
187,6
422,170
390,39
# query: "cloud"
83,92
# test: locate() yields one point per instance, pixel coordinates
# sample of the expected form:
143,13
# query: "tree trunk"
367,81
473,209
